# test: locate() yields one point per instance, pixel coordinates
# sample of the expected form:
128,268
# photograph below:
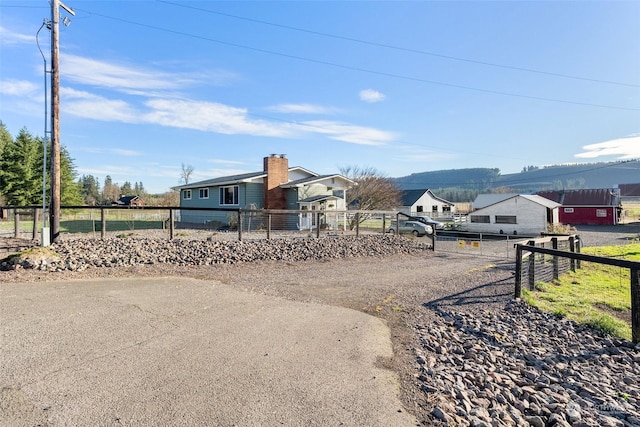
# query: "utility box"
45,237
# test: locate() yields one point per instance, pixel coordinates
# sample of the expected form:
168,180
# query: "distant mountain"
459,185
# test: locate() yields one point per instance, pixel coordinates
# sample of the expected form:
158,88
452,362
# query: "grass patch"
596,295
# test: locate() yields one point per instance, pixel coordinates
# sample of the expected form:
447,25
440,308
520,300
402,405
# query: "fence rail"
529,264
192,222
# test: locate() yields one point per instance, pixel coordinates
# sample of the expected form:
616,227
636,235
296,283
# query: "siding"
531,217
247,193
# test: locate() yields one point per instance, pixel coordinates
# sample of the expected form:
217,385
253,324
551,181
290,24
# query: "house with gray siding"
276,187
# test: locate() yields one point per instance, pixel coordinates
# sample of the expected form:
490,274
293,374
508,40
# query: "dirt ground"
405,291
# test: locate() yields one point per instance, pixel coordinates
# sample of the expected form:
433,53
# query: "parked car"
411,227
428,220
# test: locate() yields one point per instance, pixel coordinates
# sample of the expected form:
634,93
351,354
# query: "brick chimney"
277,169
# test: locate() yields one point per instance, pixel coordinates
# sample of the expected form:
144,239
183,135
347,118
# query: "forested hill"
464,184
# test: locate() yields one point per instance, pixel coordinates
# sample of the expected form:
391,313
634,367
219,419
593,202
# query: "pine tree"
22,170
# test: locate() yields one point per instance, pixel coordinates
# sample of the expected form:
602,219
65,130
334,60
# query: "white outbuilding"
520,214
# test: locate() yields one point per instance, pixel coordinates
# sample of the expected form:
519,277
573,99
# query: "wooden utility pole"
54,208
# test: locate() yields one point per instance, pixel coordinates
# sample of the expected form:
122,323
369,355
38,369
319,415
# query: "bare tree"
373,192
185,173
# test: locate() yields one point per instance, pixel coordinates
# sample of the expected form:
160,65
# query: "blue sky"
402,87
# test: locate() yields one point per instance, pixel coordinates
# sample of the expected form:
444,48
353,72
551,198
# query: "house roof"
314,179
592,197
126,199
483,200
223,180
531,197
319,198
629,190
410,197
251,176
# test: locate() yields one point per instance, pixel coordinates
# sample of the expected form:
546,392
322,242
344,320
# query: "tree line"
21,176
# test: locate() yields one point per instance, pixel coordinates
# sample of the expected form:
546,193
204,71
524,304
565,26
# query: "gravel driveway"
408,290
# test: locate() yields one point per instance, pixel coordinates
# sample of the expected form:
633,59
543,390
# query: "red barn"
587,207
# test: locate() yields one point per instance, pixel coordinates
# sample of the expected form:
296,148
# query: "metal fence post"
317,224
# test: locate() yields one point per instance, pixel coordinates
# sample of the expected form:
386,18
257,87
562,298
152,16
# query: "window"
568,210
601,213
186,194
419,208
480,218
446,208
229,195
434,208
506,219
204,193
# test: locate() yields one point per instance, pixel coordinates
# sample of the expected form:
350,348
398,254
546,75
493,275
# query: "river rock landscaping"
490,361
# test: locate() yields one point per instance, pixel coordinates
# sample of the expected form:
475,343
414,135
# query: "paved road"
183,352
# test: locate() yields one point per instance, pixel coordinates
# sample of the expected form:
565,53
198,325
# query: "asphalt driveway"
183,352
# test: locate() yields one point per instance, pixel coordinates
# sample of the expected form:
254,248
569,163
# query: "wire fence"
477,244
81,222
603,291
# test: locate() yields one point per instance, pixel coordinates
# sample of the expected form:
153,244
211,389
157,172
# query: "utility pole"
54,208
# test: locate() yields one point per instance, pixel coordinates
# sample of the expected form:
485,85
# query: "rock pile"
77,255
525,367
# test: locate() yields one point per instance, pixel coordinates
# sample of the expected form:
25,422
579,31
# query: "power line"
364,70
399,48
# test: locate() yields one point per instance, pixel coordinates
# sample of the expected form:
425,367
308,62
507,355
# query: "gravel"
525,367
466,353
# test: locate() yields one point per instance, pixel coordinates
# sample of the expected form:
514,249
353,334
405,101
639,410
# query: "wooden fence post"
103,223
532,268
578,245
239,225
572,248
16,223
554,245
171,224
357,224
34,231
268,226
635,305
518,291
317,224
384,223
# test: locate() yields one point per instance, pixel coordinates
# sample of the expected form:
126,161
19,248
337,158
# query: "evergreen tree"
69,188
126,189
110,191
22,170
5,140
90,189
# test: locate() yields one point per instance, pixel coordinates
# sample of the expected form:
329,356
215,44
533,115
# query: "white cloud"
225,162
211,117
117,151
622,148
8,37
104,74
349,133
135,80
90,106
370,95
19,88
300,108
